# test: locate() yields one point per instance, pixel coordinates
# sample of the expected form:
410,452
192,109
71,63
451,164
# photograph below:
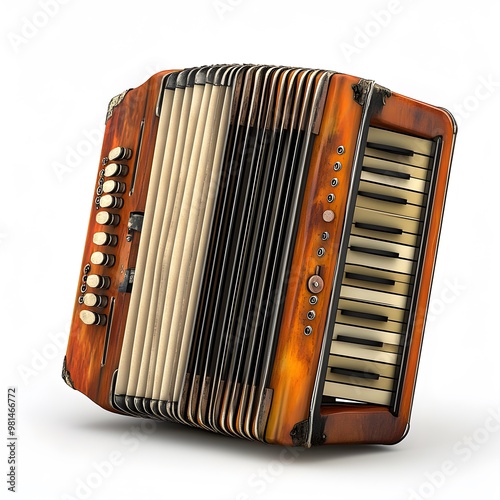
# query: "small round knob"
115,170
94,300
120,153
107,218
102,259
328,215
97,281
105,239
92,318
114,187
315,284
108,201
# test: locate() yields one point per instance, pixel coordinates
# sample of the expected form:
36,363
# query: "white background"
61,63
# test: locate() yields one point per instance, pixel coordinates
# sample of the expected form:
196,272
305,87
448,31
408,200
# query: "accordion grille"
230,163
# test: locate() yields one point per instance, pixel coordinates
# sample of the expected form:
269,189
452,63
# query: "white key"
387,338
404,251
409,227
382,383
417,168
415,144
411,197
404,238
363,365
375,296
412,211
411,184
392,313
355,279
391,265
348,386
392,220
362,352
364,394
389,326
397,278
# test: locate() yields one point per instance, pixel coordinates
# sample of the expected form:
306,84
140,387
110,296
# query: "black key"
356,340
383,197
364,315
388,173
354,373
375,251
375,227
387,148
371,279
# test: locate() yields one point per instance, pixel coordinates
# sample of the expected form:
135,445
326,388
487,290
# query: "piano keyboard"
369,336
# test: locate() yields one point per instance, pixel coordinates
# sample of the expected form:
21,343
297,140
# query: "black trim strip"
108,331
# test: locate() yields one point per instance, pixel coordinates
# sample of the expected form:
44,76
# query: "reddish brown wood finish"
86,343
297,354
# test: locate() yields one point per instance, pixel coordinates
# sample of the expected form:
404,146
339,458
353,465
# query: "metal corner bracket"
114,103
66,375
361,91
300,434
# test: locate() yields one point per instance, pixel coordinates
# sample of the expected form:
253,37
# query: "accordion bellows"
260,254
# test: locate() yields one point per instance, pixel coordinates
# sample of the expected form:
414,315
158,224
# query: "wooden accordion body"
260,254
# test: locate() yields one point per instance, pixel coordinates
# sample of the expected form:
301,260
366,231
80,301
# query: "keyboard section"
378,277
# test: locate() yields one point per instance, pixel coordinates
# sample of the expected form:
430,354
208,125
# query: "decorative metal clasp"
66,375
361,91
384,92
115,102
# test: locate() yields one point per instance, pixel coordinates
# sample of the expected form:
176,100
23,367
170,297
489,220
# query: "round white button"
92,318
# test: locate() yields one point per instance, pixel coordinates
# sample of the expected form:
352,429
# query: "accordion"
260,254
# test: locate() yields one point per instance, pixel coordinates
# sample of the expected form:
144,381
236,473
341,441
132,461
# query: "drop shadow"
174,434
